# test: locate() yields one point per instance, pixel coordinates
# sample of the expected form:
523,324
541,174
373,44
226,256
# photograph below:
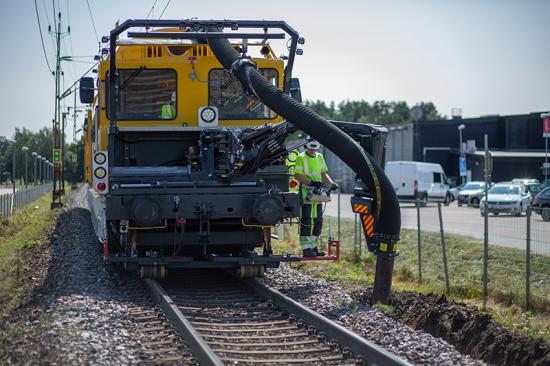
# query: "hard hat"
313,145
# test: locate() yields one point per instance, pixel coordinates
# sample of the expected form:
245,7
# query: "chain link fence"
443,246
450,250
10,202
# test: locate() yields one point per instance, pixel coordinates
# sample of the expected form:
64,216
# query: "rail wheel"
153,272
251,270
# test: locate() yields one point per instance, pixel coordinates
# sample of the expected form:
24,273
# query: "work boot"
309,252
319,254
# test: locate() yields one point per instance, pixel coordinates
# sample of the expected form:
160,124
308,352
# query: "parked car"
425,181
507,198
471,194
541,204
534,189
525,181
455,190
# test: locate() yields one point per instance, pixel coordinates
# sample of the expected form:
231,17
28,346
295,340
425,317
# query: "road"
7,190
504,230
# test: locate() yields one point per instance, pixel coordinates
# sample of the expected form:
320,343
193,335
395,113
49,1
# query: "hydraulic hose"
388,223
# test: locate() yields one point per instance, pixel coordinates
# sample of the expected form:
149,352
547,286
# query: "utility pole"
74,155
58,140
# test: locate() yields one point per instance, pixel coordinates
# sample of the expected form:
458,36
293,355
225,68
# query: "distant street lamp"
34,163
25,149
462,153
47,166
39,157
43,169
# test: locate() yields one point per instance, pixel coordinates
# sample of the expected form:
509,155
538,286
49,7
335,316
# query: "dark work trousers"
311,224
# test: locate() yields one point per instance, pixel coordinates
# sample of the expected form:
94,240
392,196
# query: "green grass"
387,309
465,263
27,228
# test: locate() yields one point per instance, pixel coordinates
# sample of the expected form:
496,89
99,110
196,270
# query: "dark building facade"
516,141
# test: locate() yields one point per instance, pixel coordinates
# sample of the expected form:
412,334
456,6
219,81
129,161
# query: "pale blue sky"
485,57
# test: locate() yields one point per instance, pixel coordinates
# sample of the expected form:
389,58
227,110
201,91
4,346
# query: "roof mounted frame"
201,30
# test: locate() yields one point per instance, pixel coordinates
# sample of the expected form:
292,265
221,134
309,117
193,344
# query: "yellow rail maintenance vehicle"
186,142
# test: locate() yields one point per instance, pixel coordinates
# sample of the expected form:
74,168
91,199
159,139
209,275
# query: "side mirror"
295,91
86,90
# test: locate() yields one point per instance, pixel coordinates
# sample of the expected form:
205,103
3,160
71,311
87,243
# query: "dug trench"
468,329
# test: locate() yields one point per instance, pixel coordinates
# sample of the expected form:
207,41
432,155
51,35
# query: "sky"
483,56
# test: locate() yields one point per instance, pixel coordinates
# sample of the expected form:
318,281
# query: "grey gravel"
82,315
335,303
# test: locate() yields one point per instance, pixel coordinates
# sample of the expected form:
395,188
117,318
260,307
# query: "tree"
378,112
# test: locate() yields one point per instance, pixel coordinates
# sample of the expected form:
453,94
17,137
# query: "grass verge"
28,228
465,263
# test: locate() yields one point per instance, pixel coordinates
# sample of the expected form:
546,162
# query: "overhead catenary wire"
163,10
42,38
93,22
54,23
151,10
70,38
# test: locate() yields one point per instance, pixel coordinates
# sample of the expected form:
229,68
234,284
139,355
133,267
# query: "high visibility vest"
311,167
168,111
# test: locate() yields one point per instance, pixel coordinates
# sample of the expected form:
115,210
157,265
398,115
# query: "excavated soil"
465,327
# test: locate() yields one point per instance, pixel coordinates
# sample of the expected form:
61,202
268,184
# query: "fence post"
339,213
487,176
419,236
355,240
528,261
443,249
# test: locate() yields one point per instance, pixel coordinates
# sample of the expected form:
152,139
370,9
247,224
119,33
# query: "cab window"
147,94
226,93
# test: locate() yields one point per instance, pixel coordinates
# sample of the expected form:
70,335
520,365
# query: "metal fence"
515,263
9,203
444,245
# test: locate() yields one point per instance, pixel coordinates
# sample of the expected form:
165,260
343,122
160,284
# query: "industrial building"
516,143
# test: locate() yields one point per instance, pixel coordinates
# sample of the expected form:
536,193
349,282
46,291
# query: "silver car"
471,194
507,198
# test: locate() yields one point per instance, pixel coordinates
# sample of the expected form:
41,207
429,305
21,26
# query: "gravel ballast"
332,301
81,314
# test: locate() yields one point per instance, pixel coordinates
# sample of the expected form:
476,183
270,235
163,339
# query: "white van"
412,179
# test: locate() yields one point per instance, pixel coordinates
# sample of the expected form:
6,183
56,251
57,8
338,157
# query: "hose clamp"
237,64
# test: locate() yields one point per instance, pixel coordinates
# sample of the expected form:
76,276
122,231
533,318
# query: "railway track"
225,320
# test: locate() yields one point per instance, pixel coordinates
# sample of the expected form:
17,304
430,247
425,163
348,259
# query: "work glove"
316,184
334,187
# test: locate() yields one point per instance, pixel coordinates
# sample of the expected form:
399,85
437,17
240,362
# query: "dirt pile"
465,327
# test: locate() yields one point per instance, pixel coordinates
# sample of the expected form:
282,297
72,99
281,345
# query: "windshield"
226,93
146,94
534,188
473,186
504,190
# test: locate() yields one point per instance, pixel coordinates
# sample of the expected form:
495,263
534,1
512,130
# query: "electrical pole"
58,140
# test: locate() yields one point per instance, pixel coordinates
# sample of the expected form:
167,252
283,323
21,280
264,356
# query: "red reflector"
293,183
105,249
101,186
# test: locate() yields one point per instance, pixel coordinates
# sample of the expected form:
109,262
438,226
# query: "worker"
311,171
169,108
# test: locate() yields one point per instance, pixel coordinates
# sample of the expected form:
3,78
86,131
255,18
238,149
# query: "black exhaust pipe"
388,216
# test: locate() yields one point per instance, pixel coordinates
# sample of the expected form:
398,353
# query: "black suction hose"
388,223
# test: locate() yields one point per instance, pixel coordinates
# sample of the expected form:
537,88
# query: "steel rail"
361,348
204,354
366,350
